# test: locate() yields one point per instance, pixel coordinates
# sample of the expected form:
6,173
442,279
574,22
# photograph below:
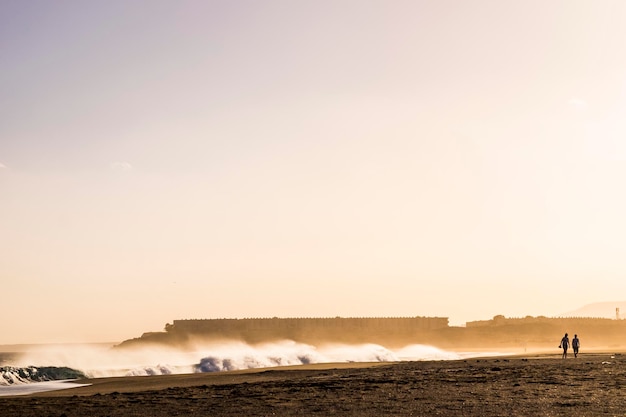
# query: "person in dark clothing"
564,345
575,345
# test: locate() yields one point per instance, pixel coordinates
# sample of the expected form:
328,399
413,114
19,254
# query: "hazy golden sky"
205,159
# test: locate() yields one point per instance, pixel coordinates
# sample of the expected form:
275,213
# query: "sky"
165,160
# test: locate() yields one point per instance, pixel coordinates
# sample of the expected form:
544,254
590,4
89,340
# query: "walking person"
564,345
575,345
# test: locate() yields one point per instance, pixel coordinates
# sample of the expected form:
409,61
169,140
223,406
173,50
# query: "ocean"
33,368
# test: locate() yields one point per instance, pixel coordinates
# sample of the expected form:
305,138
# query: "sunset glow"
166,160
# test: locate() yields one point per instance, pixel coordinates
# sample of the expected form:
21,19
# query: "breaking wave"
72,362
236,356
10,375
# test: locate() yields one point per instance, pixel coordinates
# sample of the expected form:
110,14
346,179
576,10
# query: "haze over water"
96,361
204,159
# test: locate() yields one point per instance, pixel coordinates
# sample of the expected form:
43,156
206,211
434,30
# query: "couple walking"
565,345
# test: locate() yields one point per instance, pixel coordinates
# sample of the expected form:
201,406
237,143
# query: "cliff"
497,333
388,330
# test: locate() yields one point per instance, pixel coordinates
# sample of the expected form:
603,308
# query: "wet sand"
590,385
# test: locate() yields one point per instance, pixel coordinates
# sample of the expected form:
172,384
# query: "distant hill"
599,310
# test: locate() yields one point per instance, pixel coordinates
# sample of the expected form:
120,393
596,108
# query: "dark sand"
591,385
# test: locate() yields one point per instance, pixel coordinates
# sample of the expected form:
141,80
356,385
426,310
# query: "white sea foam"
25,389
103,361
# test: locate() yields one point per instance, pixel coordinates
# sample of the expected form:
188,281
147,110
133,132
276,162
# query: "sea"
26,369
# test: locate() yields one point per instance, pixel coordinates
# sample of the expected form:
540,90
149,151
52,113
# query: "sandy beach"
544,385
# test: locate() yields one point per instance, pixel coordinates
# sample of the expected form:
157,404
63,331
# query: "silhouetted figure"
575,345
564,345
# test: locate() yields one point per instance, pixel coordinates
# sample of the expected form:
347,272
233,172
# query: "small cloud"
578,103
121,166
2,166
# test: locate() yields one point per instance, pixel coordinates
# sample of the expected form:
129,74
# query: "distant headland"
497,333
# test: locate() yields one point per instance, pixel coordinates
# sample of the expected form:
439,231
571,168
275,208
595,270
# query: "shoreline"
518,385
128,384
